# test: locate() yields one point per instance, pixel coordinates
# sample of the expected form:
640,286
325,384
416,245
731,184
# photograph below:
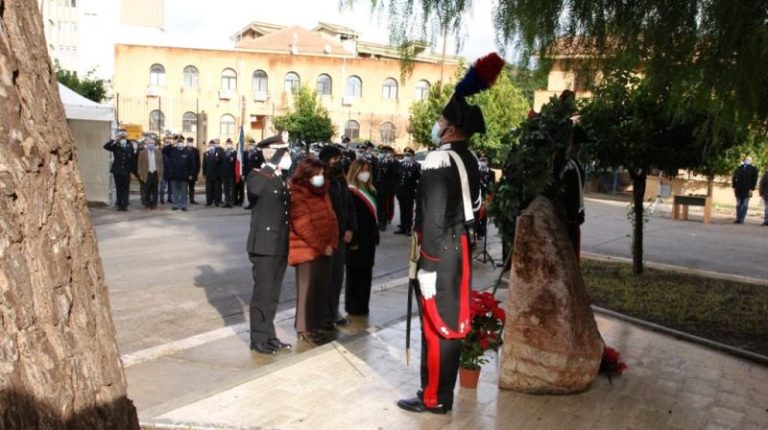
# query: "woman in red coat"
314,236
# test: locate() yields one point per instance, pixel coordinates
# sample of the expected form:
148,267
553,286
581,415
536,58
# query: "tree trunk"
710,184
638,192
59,362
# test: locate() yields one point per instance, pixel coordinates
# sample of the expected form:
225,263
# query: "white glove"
427,283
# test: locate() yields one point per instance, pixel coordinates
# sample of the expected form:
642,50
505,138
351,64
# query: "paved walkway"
214,381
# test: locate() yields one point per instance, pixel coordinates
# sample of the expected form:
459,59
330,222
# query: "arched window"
389,89
156,120
228,80
260,81
388,132
189,122
291,83
227,125
354,87
352,129
157,75
324,85
191,77
422,90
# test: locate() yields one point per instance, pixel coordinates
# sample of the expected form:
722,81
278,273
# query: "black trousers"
122,186
443,355
357,293
335,282
383,203
240,192
143,192
311,293
267,272
192,190
149,190
228,182
212,190
406,211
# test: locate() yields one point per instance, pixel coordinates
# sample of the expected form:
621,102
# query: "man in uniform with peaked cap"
268,242
450,175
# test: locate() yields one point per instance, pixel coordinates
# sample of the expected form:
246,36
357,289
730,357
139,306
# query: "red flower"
610,354
484,343
499,314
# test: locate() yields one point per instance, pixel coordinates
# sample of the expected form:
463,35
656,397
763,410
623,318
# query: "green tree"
630,128
528,81
309,121
504,107
425,112
88,87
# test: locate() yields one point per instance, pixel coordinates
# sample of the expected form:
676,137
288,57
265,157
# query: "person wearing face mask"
487,179
228,173
361,252
192,148
341,198
409,173
180,168
123,163
449,198
385,181
571,189
743,182
253,159
314,237
150,167
212,173
268,242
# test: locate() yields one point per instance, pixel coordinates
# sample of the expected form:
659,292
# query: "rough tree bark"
59,362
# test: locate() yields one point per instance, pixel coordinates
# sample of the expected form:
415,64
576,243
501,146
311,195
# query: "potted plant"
485,334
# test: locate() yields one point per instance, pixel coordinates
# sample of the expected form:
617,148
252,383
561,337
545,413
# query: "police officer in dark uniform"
449,197
385,181
487,179
212,172
409,174
268,242
192,148
228,173
253,159
123,165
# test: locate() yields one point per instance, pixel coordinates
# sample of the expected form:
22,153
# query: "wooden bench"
682,202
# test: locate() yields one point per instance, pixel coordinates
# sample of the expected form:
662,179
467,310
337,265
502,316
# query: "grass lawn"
729,312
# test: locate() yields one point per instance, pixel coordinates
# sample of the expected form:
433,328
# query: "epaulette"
436,160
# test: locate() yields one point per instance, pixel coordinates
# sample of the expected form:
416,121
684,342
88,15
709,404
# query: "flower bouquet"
487,320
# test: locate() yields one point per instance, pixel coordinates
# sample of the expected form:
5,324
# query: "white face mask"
318,181
407,158
436,134
285,162
364,177
123,142
284,135
748,161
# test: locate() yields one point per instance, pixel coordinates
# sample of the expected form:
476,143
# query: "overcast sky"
211,23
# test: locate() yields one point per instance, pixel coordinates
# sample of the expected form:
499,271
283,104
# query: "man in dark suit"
253,159
385,181
268,242
409,174
180,167
212,172
228,173
743,182
123,165
195,168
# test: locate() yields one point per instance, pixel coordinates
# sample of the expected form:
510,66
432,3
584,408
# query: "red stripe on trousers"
430,306
429,396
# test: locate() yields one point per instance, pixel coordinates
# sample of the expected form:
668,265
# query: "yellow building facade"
202,92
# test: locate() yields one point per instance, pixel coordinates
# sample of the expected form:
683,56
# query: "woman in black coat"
361,251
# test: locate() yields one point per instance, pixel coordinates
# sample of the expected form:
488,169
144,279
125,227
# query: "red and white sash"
367,198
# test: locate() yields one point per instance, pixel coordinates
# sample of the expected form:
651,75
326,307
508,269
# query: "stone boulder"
551,342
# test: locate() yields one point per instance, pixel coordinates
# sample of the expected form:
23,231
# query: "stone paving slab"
354,384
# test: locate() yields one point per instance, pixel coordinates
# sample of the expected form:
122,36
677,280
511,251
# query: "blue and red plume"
481,76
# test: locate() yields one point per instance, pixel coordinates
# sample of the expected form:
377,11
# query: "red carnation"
484,343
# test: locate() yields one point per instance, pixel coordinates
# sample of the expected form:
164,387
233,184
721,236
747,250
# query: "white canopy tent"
91,126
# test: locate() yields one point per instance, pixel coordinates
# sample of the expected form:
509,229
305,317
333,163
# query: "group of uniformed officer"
221,179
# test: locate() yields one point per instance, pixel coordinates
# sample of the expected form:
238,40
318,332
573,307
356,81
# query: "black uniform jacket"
212,163
124,160
269,215
410,172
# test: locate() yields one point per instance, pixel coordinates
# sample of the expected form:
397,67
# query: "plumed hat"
480,76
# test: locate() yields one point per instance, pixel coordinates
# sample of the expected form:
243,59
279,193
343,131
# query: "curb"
728,349
679,269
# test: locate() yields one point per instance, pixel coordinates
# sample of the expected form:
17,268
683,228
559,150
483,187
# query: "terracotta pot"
468,377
